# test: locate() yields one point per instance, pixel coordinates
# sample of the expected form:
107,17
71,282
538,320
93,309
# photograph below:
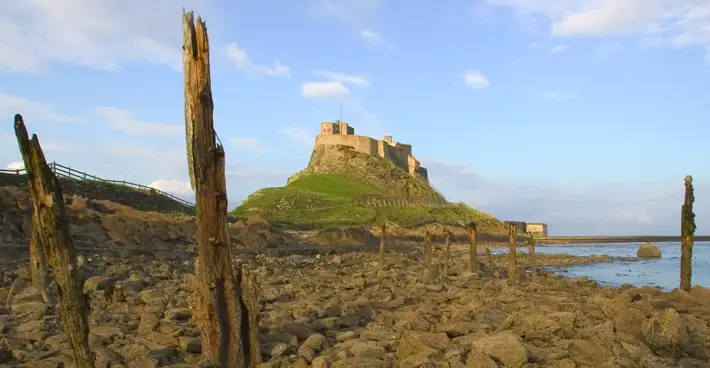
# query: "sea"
663,272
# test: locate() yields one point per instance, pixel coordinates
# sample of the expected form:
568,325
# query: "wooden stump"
383,234
473,248
512,255
687,229
447,252
531,253
52,240
220,310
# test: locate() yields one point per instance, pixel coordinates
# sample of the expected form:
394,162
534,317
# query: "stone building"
340,133
538,230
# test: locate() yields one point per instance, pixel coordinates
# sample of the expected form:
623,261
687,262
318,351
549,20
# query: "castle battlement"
340,133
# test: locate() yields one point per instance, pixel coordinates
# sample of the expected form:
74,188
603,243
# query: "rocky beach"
337,309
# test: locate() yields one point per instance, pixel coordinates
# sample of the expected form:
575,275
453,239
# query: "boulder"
648,250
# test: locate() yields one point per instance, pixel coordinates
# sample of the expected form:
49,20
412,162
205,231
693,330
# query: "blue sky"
585,114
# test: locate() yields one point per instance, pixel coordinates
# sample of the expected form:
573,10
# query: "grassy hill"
333,189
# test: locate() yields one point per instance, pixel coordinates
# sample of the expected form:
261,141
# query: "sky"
583,114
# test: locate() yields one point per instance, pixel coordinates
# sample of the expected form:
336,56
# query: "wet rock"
648,250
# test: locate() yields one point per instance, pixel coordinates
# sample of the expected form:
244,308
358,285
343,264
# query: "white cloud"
179,188
122,120
475,79
31,110
659,22
17,165
341,77
242,62
558,95
300,136
249,144
374,38
95,34
324,90
558,49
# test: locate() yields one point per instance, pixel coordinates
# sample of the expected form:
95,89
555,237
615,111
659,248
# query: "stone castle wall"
339,133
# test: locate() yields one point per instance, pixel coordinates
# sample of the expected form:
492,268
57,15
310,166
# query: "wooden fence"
67,172
377,203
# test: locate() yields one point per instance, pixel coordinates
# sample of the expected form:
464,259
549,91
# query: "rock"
504,347
586,352
666,333
648,250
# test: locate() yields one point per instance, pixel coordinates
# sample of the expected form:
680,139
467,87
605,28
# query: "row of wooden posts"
226,309
472,251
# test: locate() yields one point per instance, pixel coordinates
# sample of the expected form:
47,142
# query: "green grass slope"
325,200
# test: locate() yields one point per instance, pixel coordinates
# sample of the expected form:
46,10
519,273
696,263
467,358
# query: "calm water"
663,272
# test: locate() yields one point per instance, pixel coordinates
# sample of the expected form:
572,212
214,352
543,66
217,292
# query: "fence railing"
62,171
373,202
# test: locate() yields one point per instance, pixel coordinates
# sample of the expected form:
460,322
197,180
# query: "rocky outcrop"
372,170
648,250
110,225
124,195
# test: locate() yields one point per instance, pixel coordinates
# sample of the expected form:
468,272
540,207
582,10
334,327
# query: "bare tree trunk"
531,253
219,310
51,230
512,255
250,327
447,252
39,269
382,246
473,248
687,229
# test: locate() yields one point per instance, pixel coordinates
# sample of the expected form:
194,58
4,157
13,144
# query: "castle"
340,133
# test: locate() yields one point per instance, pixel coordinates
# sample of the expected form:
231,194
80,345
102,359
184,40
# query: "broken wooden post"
472,248
531,253
220,306
512,254
39,269
250,305
428,254
447,251
52,238
383,234
687,230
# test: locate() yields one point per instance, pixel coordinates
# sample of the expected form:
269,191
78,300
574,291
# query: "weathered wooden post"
250,302
512,254
51,233
383,234
472,248
447,251
428,254
687,230
39,269
531,253
221,309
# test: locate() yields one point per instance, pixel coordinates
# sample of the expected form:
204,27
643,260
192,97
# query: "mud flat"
342,311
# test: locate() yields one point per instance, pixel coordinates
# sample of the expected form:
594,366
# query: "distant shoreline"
555,240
